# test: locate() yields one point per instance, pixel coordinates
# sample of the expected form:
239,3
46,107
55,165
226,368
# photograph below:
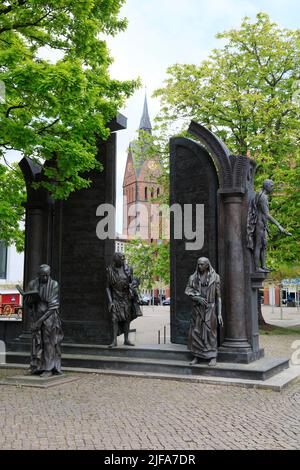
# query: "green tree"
150,262
140,255
11,210
54,109
247,92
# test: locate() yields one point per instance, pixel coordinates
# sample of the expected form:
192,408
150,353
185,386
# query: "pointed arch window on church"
157,192
146,193
152,194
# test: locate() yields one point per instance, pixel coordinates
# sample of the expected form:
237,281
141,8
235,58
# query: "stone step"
275,383
177,352
164,351
261,369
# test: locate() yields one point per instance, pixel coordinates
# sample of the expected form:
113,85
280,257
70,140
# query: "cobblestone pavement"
110,412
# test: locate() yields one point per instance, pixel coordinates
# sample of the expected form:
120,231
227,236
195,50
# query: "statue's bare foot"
212,362
113,345
194,361
128,343
46,373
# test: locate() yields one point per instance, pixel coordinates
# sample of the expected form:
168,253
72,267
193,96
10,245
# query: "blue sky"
164,32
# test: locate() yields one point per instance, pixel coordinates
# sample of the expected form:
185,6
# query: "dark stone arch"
192,172
229,255
63,235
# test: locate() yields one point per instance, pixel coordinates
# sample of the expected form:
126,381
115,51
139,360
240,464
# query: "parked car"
145,300
167,301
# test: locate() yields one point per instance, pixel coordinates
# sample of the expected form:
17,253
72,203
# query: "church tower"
140,191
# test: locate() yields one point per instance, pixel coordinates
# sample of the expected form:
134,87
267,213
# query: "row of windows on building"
130,194
3,260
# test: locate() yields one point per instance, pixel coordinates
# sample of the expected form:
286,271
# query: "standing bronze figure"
257,226
204,289
123,298
42,300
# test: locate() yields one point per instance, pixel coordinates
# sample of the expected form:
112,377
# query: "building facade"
11,266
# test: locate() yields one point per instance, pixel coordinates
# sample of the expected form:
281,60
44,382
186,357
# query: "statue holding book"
42,301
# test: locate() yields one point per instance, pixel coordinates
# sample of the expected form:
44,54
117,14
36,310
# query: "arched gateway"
63,234
207,174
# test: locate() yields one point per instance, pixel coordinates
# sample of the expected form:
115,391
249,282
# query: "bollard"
158,334
165,334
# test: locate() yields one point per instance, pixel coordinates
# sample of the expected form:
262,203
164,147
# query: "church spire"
145,123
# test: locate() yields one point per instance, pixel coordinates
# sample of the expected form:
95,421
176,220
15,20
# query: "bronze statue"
123,298
257,226
42,300
204,289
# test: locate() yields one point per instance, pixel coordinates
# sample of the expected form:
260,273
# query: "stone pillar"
36,226
33,247
235,343
257,280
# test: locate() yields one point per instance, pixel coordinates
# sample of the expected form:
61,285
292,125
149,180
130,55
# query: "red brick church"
141,216
140,190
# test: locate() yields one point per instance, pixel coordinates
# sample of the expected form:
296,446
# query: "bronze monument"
42,301
257,226
123,298
204,289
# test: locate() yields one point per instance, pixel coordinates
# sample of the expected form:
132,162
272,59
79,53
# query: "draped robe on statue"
46,340
124,296
202,338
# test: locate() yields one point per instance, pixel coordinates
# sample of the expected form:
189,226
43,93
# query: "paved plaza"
111,412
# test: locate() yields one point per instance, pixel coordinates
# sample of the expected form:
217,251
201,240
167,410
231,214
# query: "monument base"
37,381
161,359
243,356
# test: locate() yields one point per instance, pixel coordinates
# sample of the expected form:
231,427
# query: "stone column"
256,280
235,345
33,247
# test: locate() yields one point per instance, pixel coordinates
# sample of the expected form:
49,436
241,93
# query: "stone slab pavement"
156,319
285,316
118,412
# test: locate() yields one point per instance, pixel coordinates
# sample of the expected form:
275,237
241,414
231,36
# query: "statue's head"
203,264
119,259
268,186
44,273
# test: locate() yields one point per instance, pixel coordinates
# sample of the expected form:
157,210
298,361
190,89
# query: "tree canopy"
150,262
247,92
53,109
